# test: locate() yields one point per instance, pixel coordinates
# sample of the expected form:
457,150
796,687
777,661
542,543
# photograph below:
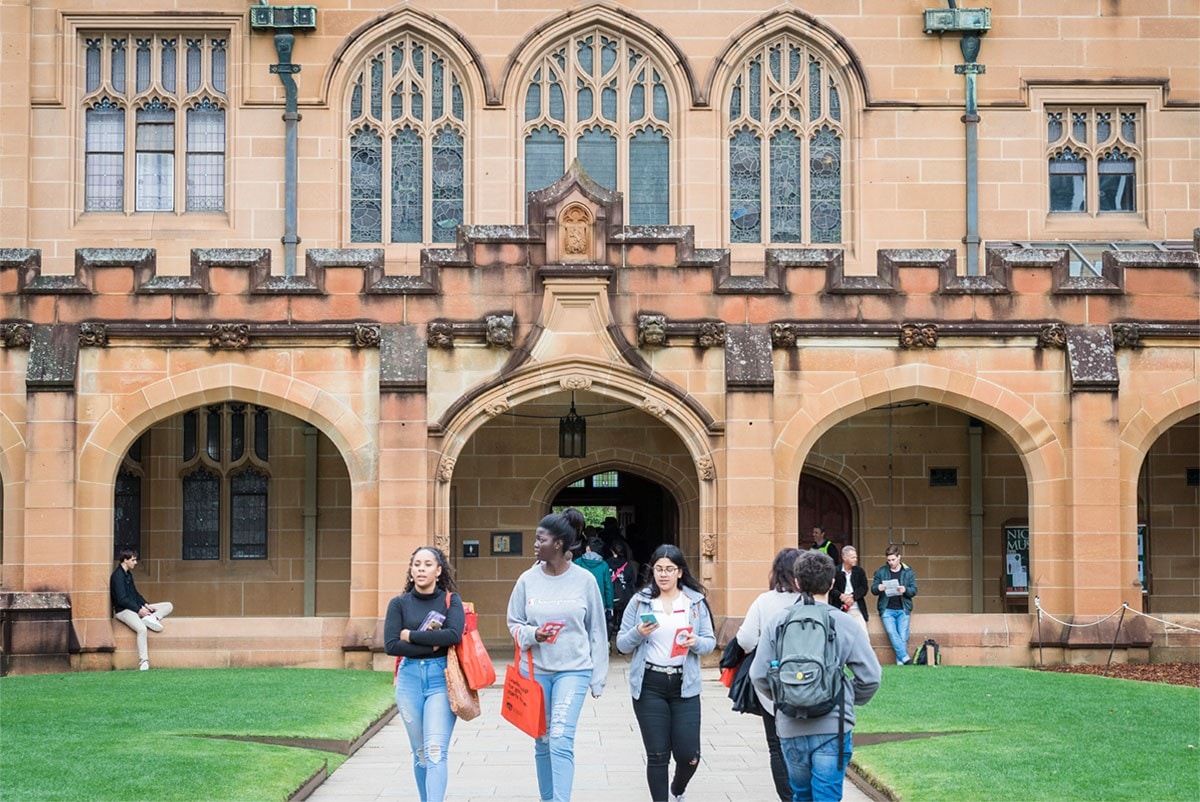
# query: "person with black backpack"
801,665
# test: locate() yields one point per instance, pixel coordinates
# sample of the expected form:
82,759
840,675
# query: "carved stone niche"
576,235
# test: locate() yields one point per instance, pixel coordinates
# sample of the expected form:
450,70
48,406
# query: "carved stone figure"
652,330
705,466
17,335
1052,336
440,335
1126,335
575,229
446,470
500,331
575,382
229,336
783,335
711,335
93,335
918,335
367,335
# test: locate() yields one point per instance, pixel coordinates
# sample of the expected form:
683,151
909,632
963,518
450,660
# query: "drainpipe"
972,23
286,20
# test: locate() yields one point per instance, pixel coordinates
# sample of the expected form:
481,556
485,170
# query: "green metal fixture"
972,24
285,20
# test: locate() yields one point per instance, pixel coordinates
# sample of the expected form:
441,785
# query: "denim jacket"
629,639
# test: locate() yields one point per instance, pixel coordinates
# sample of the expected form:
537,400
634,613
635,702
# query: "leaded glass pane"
206,158
1116,182
377,88
608,101
155,141
418,59
262,433
755,88
237,432
248,515
218,65
1079,126
583,101
1103,127
127,512
437,87
533,101
417,101
212,430
584,56
448,184
785,187
366,187
1068,182
735,101
191,421
456,103
92,62
545,155
608,54
1129,126
408,171
397,105
649,179
775,62
104,170
201,515
637,102
597,151
397,58
825,186
814,89
143,64
835,101
558,105
195,60
118,66
662,109
1054,127
356,100
169,66
793,64
745,187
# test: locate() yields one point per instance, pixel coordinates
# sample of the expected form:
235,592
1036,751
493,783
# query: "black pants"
670,725
779,773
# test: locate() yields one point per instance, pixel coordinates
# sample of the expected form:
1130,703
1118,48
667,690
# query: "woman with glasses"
555,610
667,625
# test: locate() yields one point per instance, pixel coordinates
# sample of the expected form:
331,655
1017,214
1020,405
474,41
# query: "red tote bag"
523,704
473,656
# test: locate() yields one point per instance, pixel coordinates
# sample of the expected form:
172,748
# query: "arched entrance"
647,514
826,505
1168,520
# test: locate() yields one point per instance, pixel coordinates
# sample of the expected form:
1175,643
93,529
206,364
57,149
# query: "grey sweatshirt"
854,650
572,598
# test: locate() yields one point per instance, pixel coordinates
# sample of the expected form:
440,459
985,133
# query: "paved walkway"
490,759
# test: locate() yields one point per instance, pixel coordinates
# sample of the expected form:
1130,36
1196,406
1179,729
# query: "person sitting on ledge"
131,609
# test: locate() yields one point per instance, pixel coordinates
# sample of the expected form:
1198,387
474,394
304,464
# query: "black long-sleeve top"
124,593
408,611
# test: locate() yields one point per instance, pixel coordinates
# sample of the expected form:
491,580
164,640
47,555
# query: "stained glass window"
248,515
179,136
1092,155
127,512
201,515
407,122
785,132
602,99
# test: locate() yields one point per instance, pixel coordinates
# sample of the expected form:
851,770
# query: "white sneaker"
152,623
144,665
681,798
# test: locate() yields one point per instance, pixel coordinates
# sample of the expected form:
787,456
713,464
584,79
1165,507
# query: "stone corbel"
918,335
229,336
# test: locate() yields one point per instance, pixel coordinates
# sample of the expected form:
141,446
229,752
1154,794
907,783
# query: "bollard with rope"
1037,603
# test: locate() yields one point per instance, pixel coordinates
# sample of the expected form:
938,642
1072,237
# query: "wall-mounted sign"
506,544
470,548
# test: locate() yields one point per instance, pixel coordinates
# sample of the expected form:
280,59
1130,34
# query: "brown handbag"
524,704
464,701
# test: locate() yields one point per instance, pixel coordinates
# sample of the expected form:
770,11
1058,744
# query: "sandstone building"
288,291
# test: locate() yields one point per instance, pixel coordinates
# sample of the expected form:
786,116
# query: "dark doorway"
647,514
824,504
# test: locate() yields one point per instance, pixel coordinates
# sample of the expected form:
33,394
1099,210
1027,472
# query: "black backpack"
927,650
623,584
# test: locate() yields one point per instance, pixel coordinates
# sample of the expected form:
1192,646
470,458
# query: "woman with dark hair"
667,626
421,624
555,610
784,592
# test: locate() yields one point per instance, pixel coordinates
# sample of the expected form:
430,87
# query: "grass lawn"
1029,735
132,735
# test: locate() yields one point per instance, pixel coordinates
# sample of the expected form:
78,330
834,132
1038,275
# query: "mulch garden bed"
1170,673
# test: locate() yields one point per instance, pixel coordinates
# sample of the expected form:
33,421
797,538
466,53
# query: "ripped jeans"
425,710
554,752
670,725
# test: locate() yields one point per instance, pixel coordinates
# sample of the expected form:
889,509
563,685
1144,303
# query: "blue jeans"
554,752
812,764
895,623
425,710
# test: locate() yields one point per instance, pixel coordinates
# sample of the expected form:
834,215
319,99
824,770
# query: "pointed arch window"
407,145
1092,153
786,135
599,97
154,123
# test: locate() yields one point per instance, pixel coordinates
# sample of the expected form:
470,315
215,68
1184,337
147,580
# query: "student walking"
783,593
421,625
556,611
667,626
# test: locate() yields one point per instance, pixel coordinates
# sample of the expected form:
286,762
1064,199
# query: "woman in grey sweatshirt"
556,611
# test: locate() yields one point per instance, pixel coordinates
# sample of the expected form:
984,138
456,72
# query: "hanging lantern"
572,434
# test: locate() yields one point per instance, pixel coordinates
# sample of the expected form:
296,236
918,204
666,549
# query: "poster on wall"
1016,560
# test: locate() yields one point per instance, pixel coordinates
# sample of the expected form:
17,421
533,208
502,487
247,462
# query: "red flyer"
552,628
681,637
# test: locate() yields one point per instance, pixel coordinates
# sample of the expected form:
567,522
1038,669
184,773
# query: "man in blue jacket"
895,584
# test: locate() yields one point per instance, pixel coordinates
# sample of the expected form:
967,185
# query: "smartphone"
649,618
552,628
